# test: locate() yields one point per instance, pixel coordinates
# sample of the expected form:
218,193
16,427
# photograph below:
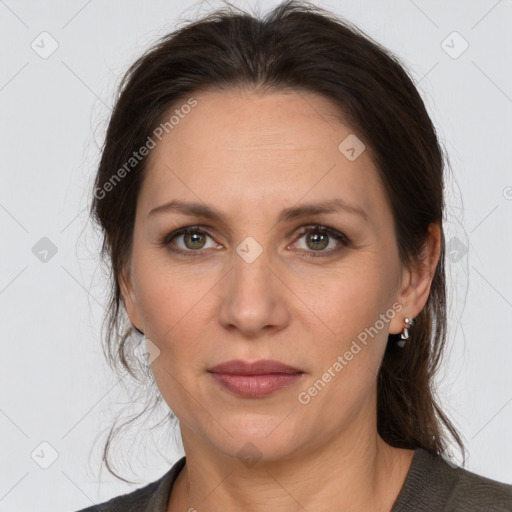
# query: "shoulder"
132,501
435,484
153,496
474,493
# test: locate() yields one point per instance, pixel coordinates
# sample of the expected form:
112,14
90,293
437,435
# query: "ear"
416,282
130,298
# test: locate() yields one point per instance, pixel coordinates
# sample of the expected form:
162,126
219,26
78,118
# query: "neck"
354,471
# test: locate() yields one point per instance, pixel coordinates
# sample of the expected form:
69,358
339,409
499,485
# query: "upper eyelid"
300,232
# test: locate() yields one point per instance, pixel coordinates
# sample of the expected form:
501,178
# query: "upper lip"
261,367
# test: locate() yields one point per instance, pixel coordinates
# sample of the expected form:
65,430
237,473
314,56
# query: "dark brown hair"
297,46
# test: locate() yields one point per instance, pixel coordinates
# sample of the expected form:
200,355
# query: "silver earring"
404,336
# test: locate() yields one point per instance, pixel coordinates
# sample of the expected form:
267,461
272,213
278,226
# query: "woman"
271,197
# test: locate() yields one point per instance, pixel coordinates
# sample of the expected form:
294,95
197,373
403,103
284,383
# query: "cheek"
176,312
347,299
176,320
352,331
174,317
348,358
171,297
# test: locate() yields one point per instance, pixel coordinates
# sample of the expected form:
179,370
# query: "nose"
253,298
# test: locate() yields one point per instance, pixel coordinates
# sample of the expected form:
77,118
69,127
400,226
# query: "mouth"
257,379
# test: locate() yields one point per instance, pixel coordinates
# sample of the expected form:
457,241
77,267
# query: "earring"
405,333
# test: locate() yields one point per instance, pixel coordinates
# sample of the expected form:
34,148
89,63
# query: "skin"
251,155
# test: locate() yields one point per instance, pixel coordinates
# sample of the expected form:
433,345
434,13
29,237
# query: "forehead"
278,147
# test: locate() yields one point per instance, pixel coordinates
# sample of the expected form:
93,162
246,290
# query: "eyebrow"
336,205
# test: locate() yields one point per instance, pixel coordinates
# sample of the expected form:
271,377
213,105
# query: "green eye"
317,238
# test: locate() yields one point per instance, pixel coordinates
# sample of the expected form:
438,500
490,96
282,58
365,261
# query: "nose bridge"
250,272
253,298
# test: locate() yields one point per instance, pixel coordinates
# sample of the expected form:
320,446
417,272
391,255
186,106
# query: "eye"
318,238
192,241
189,241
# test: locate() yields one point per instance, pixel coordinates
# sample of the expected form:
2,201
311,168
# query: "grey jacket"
431,485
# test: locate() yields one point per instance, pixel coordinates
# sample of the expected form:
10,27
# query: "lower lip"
254,386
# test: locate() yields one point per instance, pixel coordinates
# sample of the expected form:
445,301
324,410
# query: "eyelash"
340,237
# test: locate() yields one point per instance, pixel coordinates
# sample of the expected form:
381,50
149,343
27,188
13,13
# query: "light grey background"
56,387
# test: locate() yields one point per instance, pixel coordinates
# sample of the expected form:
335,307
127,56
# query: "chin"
257,437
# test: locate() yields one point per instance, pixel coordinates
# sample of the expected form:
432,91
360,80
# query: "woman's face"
260,281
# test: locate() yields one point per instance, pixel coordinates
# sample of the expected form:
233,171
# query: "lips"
254,380
262,367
